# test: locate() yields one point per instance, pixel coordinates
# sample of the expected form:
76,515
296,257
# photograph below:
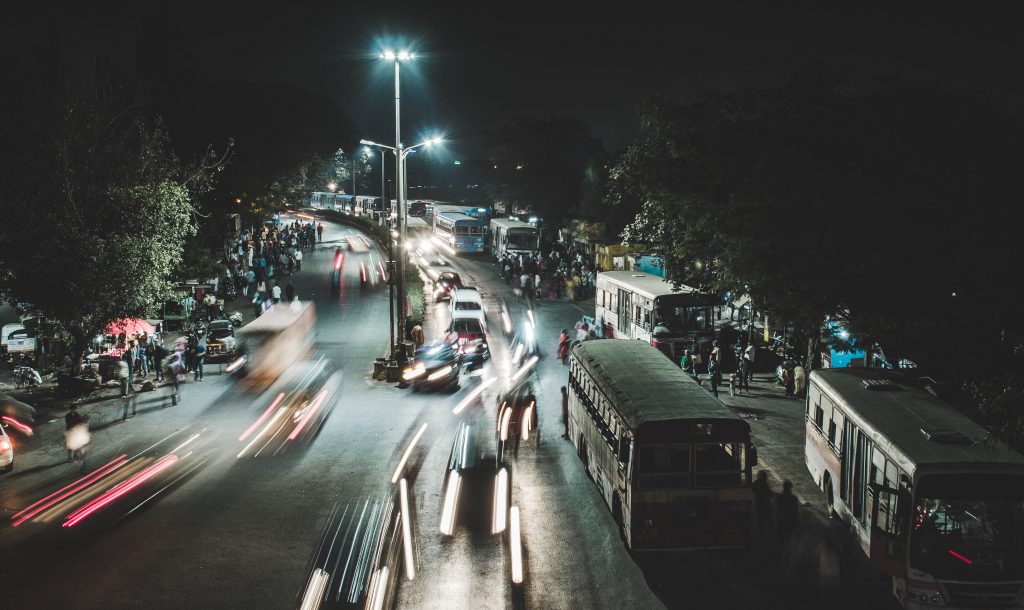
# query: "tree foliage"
874,209
98,210
544,165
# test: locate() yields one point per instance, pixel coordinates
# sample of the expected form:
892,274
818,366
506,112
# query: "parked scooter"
27,376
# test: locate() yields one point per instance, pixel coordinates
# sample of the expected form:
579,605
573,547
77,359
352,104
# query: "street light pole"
401,217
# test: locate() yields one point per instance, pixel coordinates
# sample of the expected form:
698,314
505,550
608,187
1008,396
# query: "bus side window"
625,451
833,425
819,414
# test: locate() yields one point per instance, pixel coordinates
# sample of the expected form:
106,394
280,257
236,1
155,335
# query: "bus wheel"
829,497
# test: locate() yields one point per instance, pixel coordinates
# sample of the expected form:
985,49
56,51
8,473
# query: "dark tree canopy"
544,165
875,209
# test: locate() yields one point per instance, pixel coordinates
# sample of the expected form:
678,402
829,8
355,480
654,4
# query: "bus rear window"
720,464
664,466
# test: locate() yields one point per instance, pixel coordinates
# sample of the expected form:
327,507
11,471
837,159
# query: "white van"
6,332
466,303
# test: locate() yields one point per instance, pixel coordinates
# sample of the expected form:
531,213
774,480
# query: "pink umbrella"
131,326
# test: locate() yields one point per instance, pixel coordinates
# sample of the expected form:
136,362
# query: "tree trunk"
813,347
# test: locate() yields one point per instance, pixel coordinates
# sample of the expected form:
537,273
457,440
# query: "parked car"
6,452
220,341
436,366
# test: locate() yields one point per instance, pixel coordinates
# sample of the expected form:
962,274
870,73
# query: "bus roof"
508,223
645,385
895,414
459,217
649,285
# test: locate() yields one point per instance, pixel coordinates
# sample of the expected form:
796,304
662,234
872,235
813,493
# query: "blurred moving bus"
932,499
672,462
462,233
268,345
643,306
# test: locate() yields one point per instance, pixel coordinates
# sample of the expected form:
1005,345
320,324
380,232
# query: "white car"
466,303
6,452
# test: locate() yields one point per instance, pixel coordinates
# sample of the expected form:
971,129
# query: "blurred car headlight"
439,373
414,371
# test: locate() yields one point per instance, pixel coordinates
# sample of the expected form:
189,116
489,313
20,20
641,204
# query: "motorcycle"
27,376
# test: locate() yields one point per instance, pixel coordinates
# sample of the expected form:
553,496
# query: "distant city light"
458,163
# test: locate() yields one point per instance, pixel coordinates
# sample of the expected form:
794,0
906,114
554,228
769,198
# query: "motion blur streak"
472,395
529,314
516,544
403,494
378,586
163,464
362,271
440,244
439,373
314,590
259,421
310,411
383,274
506,417
235,364
518,354
185,444
405,456
67,491
451,498
23,428
270,426
525,424
339,261
500,501
525,368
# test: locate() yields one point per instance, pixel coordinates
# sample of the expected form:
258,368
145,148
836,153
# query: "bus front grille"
982,594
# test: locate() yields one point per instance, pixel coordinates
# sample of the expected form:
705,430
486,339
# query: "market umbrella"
131,326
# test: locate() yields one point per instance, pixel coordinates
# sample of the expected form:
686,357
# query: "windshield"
662,466
467,305
720,464
220,333
680,315
522,240
969,526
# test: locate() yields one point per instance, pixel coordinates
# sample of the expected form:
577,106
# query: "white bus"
642,306
932,499
513,237
672,462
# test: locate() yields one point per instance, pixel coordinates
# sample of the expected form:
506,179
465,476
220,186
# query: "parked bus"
642,306
932,499
462,233
513,237
672,463
366,205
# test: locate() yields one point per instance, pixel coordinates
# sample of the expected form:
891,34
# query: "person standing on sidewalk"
762,500
320,231
159,354
173,367
742,374
749,354
298,260
124,374
277,292
787,509
565,413
714,376
200,359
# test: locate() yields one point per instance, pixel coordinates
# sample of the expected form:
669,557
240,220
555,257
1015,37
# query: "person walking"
565,413
131,400
200,359
749,353
762,500
563,346
124,373
173,367
72,432
276,291
298,260
714,376
289,293
787,513
320,231
159,353
741,377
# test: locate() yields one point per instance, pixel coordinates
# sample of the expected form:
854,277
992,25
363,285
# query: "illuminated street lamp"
331,186
402,219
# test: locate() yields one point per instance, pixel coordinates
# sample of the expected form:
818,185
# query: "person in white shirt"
277,293
298,260
748,355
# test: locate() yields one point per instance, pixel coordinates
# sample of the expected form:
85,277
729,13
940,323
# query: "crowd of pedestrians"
564,272
262,260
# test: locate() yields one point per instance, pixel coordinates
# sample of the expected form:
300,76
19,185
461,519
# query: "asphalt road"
222,531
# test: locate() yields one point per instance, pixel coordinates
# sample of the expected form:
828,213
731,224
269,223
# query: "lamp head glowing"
404,55
388,55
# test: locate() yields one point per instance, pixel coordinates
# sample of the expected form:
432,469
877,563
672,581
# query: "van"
466,303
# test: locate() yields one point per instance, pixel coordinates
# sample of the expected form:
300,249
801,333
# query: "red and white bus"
672,462
932,499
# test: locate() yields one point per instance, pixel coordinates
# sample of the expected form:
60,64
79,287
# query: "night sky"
484,63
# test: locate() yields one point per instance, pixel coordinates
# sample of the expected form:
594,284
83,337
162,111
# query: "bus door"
626,313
